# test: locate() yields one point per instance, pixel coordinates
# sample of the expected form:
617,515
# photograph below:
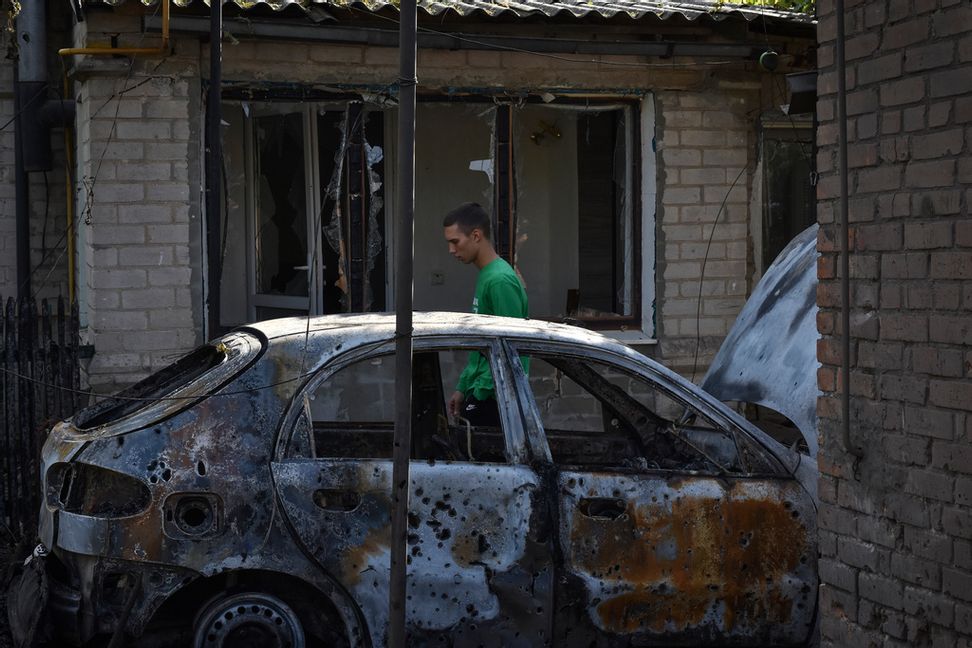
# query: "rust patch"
358,557
688,557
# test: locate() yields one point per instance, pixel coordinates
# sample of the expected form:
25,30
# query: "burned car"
242,496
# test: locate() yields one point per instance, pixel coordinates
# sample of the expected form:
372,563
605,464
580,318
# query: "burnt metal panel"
770,355
477,565
679,560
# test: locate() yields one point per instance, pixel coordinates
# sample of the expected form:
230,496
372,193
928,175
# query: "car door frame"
556,492
374,609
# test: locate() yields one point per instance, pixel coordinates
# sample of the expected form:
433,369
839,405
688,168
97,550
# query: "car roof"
434,323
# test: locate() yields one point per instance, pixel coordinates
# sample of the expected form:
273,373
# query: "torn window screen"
351,163
574,170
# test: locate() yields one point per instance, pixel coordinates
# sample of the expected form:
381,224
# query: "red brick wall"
896,526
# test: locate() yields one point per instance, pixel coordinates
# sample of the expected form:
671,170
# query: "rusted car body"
245,492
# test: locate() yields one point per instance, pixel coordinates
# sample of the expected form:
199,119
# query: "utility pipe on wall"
844,236
161,50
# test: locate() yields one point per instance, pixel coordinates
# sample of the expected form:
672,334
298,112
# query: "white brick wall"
134,149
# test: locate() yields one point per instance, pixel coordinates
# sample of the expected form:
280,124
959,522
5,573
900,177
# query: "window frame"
640,326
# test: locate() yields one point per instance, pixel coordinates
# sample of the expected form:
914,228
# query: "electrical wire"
705,259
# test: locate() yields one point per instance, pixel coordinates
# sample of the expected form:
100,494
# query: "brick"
682,157
955,81
145,256
111,278
963,491
924,604
837,574
905,91
935,145
886,236
861,46
148,298
929,484
928,235
940,202
957,583
168,233
908,509
950,393
910,389
939,173
952,457
930,56
963,619
880,589
951,265
880,68
939,113
911,265
951,329
885,178
928,422
955,21
907,33
896,326
927,544
937,361
862,101
907,450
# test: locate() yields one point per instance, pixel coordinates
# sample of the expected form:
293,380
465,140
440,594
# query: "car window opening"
350,414
157,386
597,417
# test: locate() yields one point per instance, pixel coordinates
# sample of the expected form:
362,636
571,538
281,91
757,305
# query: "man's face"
464,247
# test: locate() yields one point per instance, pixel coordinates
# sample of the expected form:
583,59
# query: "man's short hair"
469,216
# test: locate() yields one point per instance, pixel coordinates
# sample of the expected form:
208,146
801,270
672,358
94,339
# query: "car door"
478,561
674,528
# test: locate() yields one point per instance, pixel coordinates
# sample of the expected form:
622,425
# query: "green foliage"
802,6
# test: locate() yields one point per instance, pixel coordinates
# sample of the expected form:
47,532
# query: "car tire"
247,620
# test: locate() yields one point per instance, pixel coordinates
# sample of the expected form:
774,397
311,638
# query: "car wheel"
247,620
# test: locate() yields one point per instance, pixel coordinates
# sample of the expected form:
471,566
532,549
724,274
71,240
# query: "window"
350,414
305,228
788,178
596,416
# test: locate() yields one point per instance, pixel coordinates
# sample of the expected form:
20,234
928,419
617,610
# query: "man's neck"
486,257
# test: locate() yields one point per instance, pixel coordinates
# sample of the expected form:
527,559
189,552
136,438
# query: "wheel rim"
249,620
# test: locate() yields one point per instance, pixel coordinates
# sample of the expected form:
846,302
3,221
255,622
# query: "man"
499,291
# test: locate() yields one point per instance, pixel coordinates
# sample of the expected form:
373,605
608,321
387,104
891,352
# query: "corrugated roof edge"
579,8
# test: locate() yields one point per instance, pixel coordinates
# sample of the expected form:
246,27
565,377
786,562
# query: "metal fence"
40,379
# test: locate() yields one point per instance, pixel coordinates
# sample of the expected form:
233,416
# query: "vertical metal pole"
214,165
844,233
22,185
403,321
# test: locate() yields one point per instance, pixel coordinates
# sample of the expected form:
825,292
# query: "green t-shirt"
498,292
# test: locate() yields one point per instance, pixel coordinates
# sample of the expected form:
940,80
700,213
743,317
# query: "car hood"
770,355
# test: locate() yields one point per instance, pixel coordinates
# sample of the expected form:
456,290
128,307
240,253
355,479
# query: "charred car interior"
243,494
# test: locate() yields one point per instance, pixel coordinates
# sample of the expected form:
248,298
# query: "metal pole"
214,164
403,321
844,234
22,185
